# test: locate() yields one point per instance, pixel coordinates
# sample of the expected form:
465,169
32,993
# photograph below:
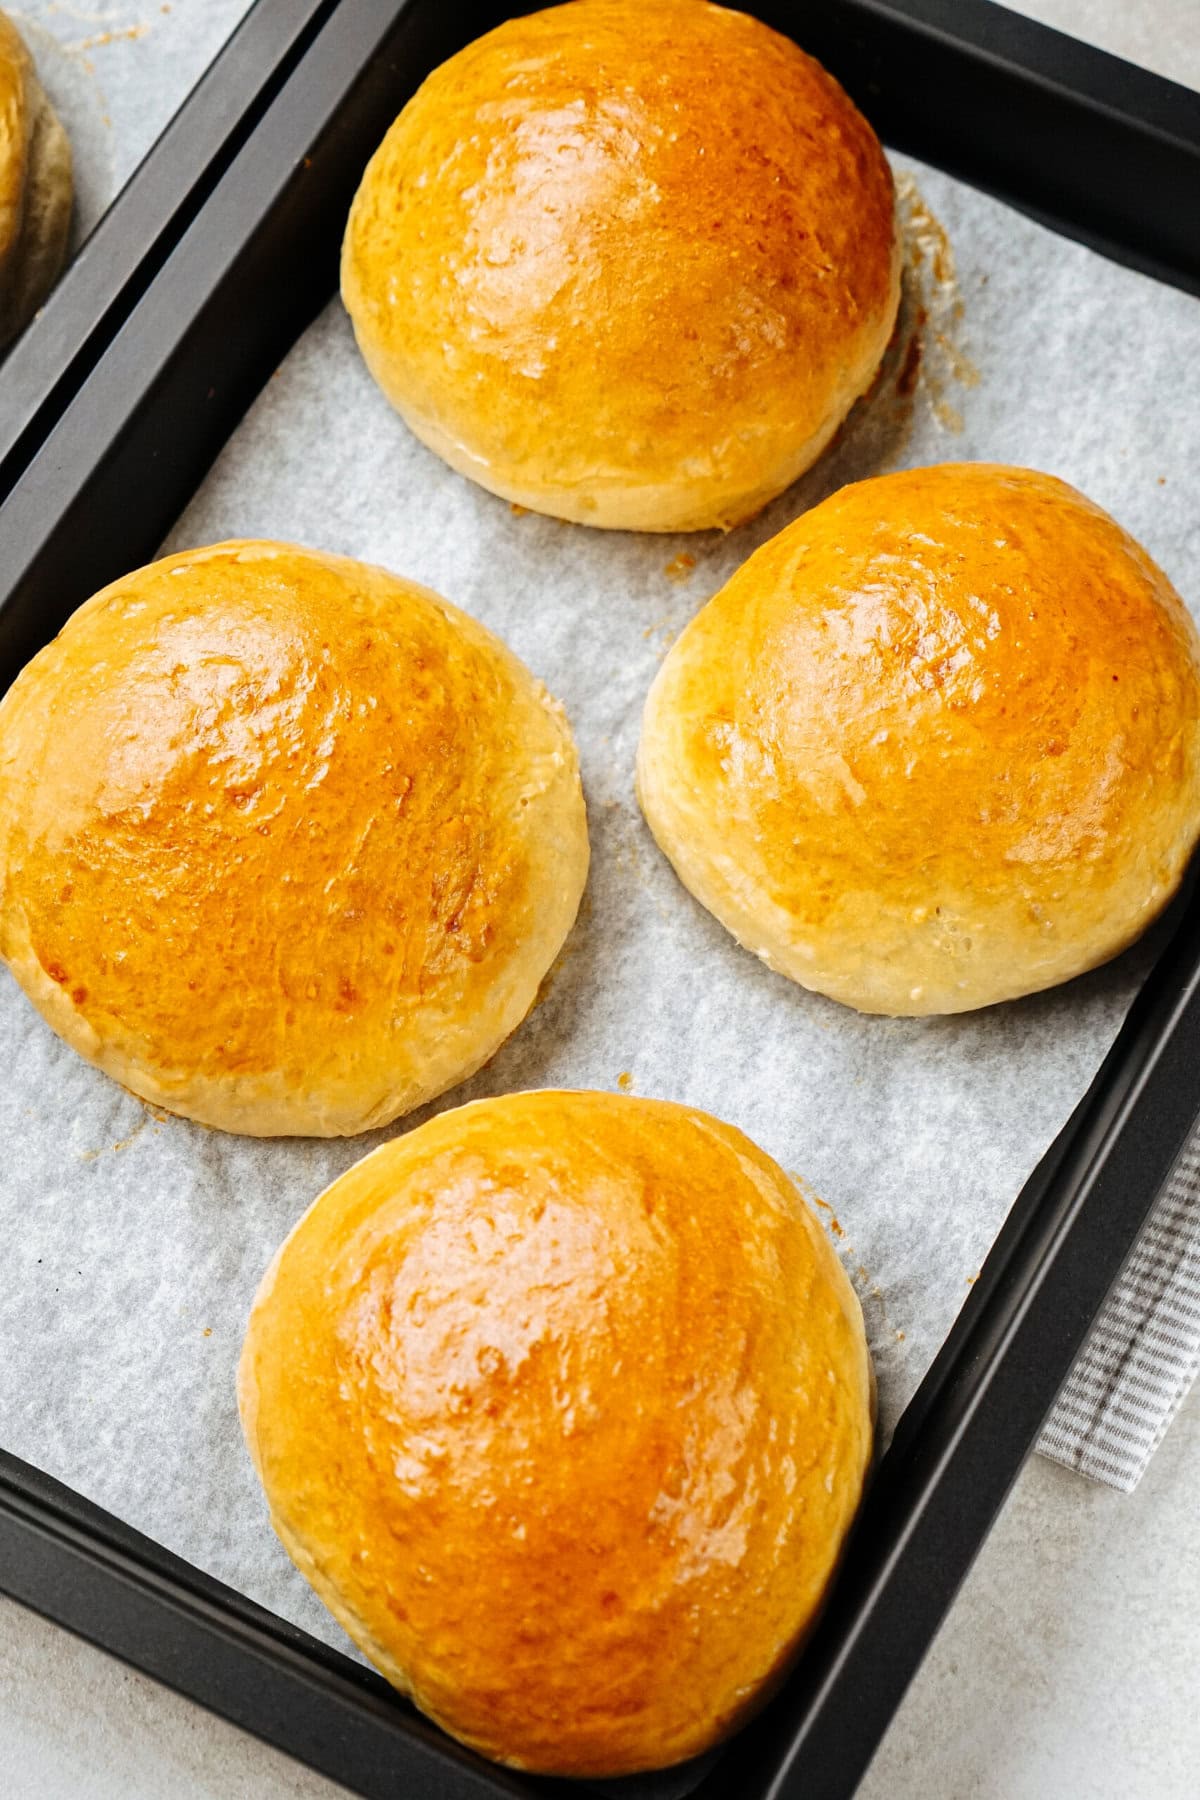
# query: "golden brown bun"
287,842
35,187
934,745
629,262
14,133
563,1405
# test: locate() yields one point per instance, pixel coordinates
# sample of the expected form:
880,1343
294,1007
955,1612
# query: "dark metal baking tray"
134,397
128,245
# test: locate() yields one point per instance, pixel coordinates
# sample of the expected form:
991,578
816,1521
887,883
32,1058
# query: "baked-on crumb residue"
933,356
925,362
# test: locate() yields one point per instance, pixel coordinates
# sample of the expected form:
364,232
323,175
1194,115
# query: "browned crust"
287,842
562,1403
936,744
629,264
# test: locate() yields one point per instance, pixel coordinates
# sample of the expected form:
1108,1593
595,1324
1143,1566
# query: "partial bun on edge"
627,262
562,1403
36,187
286,843
937,744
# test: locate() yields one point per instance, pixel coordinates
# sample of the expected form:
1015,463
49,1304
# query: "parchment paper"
134,1241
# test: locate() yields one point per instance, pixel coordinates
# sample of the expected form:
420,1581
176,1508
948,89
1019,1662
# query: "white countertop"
1068,1669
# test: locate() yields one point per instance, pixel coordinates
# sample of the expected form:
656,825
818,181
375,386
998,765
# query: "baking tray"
130,406
129,243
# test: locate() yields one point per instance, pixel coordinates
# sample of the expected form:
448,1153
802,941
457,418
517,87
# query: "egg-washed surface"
15,71
562,1403
917,1133
628,264
35,187
287,843
936,745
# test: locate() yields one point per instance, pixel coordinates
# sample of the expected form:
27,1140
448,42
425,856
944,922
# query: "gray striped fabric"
1144,1350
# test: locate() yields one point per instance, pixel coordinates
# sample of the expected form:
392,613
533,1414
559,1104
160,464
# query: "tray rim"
1051,1264
137,230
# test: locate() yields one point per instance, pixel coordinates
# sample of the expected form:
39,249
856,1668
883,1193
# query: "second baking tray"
1103,152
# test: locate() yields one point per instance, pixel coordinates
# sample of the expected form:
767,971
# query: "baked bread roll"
935,745
562,1403
35,187
286,843
629,262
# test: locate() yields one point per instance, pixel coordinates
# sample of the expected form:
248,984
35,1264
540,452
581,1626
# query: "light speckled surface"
1068,1666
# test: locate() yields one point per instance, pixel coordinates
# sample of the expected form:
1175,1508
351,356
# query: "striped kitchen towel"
1144,1350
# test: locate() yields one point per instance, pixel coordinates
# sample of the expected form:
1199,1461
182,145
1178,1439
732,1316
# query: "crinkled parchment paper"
134,1241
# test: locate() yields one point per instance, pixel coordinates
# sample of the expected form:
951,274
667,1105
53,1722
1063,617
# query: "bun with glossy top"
286,842
35,186
629,262
935,745
562,1403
